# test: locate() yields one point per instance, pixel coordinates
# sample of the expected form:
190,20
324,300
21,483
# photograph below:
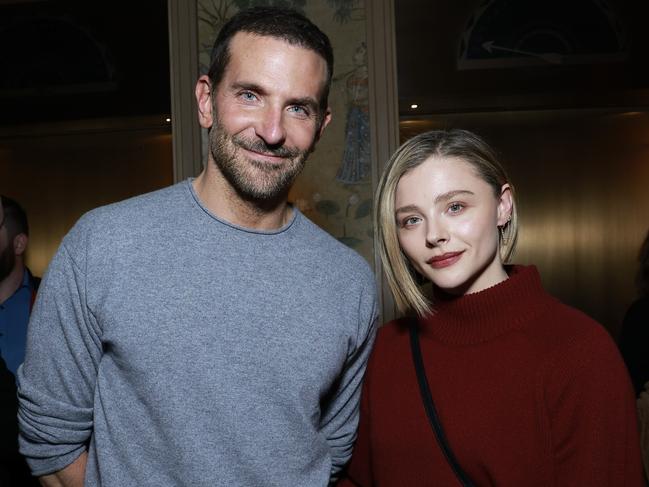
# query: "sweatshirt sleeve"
57,379
592,416
339,420
359,470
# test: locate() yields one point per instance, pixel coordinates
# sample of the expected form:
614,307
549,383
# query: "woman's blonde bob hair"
460,144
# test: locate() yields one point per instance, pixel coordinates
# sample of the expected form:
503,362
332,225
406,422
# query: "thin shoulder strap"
431,412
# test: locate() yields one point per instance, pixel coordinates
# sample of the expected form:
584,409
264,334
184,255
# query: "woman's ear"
505,205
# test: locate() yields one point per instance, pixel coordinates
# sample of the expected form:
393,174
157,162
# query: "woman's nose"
436,233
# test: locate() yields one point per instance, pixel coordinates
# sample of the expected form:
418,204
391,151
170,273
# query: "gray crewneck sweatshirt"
182,350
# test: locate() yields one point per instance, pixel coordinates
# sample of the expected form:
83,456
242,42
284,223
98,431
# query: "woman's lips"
444,260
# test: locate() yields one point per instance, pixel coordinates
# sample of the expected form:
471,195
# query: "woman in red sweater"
529,392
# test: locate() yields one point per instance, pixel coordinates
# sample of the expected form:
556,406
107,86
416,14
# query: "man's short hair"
15,218
281,23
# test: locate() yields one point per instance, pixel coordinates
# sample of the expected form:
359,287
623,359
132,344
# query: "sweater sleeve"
359,471
57,380
592,414
339,420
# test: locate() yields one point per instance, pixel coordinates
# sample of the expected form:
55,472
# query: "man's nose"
270,126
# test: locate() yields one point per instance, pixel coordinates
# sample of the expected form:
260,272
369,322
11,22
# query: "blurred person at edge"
529,391
634,333
208,334
634,345
18,285
18,288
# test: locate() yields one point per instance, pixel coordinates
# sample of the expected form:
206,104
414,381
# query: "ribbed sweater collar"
482,316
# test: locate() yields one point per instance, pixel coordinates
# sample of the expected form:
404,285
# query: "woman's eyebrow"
442,197
452,194
406,208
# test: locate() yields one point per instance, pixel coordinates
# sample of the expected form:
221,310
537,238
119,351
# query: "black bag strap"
431,412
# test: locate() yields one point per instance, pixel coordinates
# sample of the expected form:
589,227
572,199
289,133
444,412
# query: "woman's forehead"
437,179
440,171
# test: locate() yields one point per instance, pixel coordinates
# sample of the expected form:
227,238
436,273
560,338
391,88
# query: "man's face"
7,254
265,115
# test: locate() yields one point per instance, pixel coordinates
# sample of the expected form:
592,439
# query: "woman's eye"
411,220
455,207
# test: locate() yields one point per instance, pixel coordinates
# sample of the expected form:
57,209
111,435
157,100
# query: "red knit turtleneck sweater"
530,393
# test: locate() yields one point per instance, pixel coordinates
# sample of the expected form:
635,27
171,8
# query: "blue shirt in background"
14,316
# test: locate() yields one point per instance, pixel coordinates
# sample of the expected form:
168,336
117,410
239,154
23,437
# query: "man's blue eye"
298,109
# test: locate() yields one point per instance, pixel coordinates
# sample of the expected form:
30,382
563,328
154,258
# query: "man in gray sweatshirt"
208,334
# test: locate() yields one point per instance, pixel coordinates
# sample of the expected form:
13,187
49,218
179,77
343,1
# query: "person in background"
17,284
17,292
208,334
634,345
634,334
520,388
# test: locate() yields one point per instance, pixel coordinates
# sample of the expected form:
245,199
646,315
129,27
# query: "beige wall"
61,171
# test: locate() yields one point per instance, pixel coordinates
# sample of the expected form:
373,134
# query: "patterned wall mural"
335,188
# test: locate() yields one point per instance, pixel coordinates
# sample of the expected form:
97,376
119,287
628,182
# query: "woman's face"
447,223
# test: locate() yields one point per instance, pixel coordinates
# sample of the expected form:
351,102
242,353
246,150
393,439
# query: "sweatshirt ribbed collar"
479,317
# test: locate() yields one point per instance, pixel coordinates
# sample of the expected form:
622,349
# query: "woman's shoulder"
396,327
576,343
392,345
568,324
392,332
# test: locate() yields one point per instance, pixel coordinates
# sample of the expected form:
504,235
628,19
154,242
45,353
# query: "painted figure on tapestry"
355,166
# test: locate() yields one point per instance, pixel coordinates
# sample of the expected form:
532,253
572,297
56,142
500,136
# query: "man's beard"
255,180
7,261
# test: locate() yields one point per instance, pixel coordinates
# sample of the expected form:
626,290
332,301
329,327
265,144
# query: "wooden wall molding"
384,113
183,60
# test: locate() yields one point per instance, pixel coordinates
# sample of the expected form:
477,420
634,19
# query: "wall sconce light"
414,106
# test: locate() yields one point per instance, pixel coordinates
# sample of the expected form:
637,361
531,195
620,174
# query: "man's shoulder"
329,249
154,203
126,220
133,211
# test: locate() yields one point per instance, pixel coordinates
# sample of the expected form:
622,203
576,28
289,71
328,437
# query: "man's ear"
505,205
20,243
325,121
203,93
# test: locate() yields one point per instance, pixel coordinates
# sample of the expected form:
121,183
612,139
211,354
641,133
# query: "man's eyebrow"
245,85
306,101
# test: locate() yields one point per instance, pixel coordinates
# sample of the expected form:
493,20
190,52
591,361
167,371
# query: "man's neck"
223,201
12,282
